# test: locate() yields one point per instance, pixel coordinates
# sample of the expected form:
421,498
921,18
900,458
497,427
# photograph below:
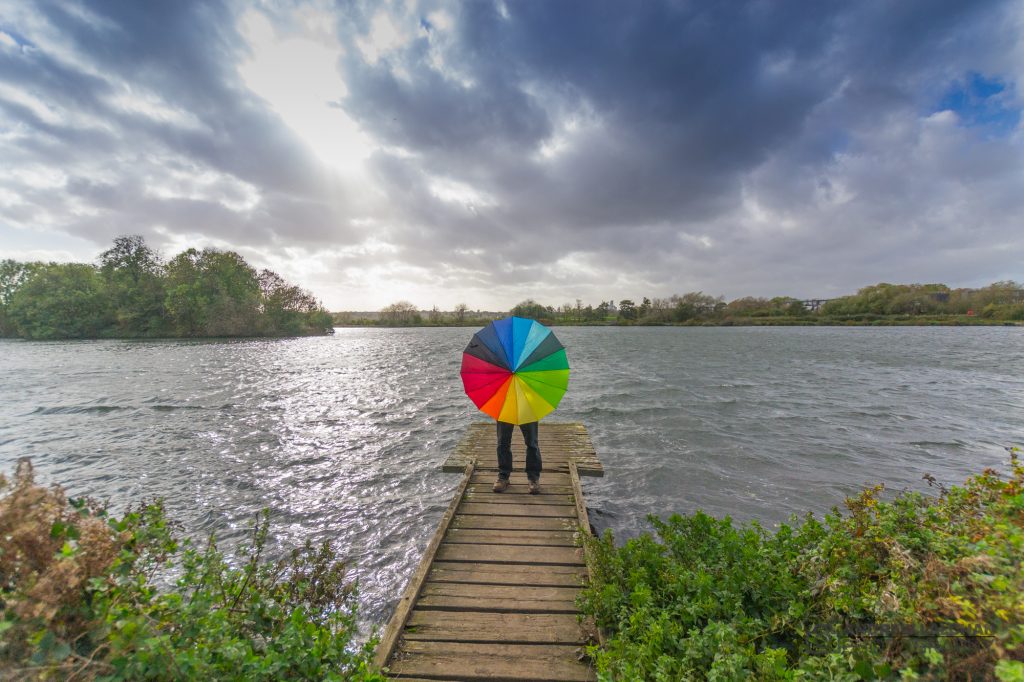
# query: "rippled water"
342,437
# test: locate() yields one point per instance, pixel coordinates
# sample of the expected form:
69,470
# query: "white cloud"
187,181
43,110
384,37
455,192
154,107
297,75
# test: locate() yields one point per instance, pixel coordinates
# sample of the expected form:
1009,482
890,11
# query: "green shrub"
915,586
80,601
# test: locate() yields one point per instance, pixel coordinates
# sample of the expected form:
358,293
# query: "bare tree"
401,312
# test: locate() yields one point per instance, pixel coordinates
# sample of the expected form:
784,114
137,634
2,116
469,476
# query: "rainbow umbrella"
515,370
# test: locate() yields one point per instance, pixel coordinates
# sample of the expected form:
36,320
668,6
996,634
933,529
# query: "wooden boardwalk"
494,595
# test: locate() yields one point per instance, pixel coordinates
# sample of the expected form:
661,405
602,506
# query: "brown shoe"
501,485
534,487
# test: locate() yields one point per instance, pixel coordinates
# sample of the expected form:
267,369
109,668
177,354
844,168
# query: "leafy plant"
80,601
914,586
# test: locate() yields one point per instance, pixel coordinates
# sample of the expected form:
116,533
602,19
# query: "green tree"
627,310
288,309
696,304
796,308
531,309
212,293
13,274
61,301
235,301
186,300
748,306
644,309
135,282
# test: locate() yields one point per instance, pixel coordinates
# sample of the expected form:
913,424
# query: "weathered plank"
581,507
497,598
510,554
477,662
547,488
542,497
498,628
476,536
507,574
513,522
518,509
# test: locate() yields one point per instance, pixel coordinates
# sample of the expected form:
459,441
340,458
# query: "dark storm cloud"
688,101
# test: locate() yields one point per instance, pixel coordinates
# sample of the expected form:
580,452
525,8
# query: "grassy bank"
80,600
913,587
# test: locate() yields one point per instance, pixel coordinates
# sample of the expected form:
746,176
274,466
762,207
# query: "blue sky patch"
982,102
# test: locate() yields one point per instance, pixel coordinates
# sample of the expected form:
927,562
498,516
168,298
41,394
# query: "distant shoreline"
894,321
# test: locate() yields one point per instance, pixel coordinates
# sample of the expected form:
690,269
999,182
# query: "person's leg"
530,437
504,450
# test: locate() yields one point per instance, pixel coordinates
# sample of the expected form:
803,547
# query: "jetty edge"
494,596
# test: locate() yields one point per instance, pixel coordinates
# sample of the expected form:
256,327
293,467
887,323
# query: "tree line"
131,292
1000,301
876,304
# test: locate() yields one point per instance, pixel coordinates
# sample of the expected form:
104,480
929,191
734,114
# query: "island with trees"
879,304
133,293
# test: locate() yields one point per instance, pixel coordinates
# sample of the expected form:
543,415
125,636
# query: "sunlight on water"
342,437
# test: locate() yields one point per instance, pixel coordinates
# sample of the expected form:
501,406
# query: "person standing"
530,433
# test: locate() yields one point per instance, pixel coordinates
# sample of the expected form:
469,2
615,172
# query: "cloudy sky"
488,151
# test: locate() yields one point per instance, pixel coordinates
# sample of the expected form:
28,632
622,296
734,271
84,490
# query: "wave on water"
172,408
79,409
107,409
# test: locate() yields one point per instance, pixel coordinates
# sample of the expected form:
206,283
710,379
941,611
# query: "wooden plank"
549,510
498,628
405,604
510,554
478,662
581,507
497,598
520,499
474,536
509,592
520,487
584,521
484,475
514,522
507,574
524,497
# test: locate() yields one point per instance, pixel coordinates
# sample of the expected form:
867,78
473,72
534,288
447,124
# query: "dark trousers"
530,432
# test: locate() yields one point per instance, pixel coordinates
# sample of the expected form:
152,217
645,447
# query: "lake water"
342,437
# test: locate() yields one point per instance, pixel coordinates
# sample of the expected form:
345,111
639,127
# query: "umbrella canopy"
515,370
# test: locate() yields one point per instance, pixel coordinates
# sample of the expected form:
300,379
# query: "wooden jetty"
494,595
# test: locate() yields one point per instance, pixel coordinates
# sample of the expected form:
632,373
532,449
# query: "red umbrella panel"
515,370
